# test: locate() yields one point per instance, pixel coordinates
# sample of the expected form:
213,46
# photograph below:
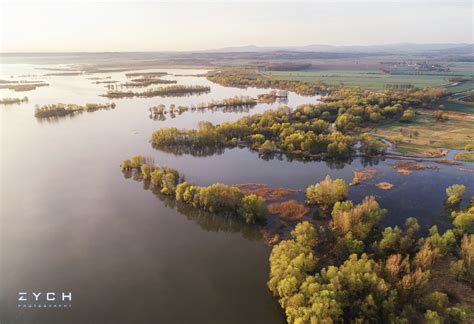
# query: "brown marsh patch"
384,185
290,210
266,192
360,176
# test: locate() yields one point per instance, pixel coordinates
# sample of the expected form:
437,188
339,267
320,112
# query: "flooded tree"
454,194
11,101
170,91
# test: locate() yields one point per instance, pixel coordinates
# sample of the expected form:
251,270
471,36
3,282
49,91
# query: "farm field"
367,74
367,79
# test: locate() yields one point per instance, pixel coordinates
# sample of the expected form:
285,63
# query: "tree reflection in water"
211,222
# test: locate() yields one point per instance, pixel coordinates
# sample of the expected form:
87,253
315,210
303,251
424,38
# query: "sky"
154,25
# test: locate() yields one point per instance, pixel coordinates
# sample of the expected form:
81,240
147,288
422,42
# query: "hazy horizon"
270,48
155,26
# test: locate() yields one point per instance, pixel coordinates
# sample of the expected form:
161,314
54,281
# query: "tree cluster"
169,91
59,110
244,78
327,192
380,277
11,101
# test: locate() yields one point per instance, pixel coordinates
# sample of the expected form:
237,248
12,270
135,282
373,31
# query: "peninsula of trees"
244,78
330,128
216,198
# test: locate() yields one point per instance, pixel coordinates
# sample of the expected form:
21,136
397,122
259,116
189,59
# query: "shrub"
455,193
253,208
360,220
327,192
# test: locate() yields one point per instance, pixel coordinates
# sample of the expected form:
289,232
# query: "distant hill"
387,48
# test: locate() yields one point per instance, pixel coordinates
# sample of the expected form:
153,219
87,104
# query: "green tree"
145,170
360,220
327,192
253,209
290,262
408,116
455,193
463,268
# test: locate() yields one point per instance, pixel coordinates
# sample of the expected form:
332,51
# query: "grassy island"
170,91
60,110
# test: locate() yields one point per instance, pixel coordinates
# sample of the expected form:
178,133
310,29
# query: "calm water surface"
70,221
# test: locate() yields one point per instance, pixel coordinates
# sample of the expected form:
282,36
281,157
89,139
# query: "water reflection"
173,114
210,222
203,151
209,150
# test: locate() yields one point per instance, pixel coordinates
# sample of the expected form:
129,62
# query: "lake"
71,221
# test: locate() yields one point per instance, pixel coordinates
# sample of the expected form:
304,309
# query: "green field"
366,79
365,73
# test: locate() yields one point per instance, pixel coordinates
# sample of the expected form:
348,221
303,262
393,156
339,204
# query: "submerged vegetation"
290,210
363,175
11,101
356,273
266,192
60,110
170,91
216,198
330,128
